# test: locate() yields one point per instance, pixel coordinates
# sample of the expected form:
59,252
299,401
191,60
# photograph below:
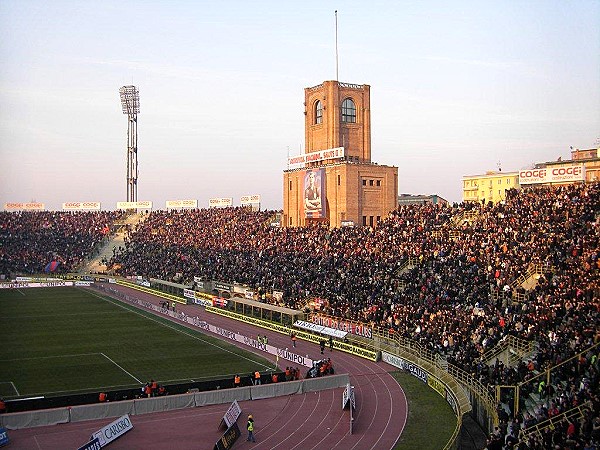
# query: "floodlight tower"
130,102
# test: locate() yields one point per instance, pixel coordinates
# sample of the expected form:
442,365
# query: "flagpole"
336,47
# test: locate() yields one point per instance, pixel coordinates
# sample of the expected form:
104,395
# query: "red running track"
296,422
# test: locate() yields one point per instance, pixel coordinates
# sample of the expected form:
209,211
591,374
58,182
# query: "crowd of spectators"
444,299
29,240
438,274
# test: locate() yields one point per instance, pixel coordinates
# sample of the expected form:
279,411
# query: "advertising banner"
250,199
405,365
357,329
3,436
175,204
232,414
31,206
135,205
309,326
228,439
565,174
113,430
314,190
220,202
94,444
320,155
81,206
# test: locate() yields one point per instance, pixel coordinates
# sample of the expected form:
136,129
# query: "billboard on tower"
314,191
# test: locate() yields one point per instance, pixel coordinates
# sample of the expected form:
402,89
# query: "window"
339,180
365,221
499,181
290,221
370,182
364,182
378,219
378,182
290,185
318,112
508,181
370,221
348,111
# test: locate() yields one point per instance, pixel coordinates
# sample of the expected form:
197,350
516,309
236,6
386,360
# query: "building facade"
411,199
583,167
335,182
490,187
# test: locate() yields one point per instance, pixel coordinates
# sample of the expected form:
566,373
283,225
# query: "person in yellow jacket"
250,428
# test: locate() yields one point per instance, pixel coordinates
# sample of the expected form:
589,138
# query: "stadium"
352,317
494,307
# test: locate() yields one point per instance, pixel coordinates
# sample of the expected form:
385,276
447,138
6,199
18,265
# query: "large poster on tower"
314,193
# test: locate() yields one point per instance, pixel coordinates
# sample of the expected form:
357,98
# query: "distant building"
409,199
490,187
584,166
334,181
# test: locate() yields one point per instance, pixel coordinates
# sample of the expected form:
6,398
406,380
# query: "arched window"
318,112
348,111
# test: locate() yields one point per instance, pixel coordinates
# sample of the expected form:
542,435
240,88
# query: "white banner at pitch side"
43,284
232,414
320,329
232,335
113,430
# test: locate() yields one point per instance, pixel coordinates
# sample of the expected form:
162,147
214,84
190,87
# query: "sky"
457,88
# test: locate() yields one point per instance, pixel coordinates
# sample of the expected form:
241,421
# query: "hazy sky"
456,88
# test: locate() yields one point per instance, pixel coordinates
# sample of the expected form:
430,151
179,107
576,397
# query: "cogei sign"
566,174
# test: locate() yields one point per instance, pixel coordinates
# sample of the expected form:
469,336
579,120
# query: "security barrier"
310,337
28,419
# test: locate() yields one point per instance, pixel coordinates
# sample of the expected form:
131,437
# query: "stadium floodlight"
130,100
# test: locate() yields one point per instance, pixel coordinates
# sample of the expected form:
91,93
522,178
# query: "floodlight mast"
130,102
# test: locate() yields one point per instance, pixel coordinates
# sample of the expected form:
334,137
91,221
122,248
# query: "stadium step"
105,253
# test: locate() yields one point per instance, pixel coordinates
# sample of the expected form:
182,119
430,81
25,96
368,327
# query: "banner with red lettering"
355,328
319,155
564,174
81,206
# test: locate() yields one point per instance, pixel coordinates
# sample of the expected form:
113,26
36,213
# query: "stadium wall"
28,419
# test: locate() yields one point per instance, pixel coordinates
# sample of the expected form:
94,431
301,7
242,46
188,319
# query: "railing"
533,270
539,429
520,297
548,372
409,263
454,234
431,364
481,401
521,348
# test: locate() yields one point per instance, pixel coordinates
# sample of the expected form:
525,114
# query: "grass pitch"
58,341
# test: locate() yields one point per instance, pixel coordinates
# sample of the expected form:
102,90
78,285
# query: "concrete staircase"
96,263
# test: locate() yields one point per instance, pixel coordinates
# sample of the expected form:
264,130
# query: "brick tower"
334,181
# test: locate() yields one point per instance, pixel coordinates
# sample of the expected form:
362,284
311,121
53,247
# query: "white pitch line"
51,356
151,317
15,388
128,373
21,292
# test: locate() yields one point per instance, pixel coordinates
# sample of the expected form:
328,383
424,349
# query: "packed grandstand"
458,279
